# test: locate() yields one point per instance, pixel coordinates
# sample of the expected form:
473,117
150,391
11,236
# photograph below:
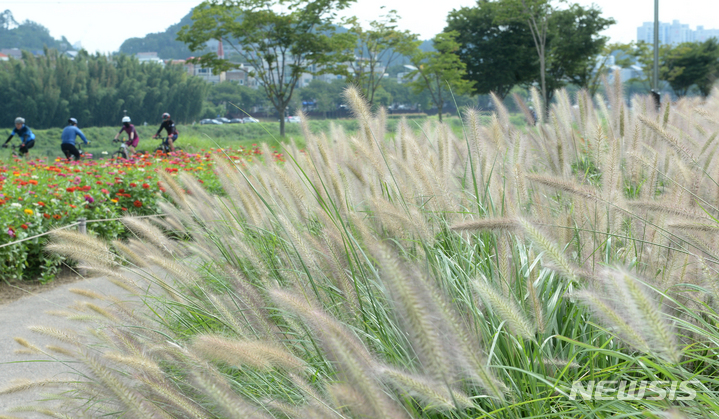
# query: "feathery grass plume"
708,143
667,108
662,333
501,112
361,111
87,293
524,108
561,161
668,209
353,360
140,363
509,224
605,310
24,385
175,400
432,395
538,104
66,336
506,308
257,354
537,308
412,300
564,185
672,141
150,233
228,317
551,249
81,247
131,400
214,386
344,398
612,171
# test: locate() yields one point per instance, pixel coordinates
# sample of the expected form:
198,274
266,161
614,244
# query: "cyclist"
27,138
69,133
133,139
172,133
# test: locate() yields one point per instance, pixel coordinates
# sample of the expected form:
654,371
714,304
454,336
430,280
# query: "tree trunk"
440,106
282,120
543,78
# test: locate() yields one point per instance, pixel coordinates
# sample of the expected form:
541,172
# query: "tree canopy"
95,89
497,57
440,72
279,43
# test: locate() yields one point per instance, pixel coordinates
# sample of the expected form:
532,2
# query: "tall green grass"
427,275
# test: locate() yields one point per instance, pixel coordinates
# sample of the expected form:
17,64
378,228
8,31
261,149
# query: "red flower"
137,204
70,189
145,186
99,182
23,226
132,185
46,215
124,209
72,206
121,190
42,204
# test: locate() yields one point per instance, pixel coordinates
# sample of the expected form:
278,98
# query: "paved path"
16,317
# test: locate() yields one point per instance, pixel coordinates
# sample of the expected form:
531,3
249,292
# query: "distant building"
149,57
3,57
674,33
14,53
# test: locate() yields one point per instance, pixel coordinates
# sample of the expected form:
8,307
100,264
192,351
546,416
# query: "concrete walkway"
16,317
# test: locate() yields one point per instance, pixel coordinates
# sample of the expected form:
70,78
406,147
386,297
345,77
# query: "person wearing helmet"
27,138
69,134
172,133
133,139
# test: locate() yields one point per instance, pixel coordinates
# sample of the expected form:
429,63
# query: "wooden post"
82,229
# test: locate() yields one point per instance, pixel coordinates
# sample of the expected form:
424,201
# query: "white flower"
141,169
15,205
34,177
104,152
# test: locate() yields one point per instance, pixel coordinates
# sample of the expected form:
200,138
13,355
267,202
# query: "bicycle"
122,152
165,146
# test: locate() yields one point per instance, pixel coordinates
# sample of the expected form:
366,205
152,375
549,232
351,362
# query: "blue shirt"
70,133
24,133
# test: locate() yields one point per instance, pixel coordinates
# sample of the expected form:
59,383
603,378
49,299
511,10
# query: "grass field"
197,137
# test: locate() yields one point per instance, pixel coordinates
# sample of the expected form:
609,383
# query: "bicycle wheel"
119,155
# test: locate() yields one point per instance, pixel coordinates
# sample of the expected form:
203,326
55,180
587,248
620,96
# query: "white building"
149,57
674,33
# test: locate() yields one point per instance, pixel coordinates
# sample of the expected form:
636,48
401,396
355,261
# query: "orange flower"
42,204
46,215
23,226
57,216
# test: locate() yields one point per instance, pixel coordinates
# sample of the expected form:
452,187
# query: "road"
35,310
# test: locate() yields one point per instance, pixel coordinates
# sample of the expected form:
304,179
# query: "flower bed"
38,196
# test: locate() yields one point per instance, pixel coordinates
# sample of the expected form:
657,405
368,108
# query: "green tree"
575,47
376,49
691,64
280,39
327,96
497,56
95,89
440,71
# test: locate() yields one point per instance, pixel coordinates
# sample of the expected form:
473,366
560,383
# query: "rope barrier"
39,235
76,224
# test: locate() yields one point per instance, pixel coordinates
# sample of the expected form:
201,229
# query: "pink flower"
104,190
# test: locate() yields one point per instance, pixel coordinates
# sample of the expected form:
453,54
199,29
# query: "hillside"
27,35
164,43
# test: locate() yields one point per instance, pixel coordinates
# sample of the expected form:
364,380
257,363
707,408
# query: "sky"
102,25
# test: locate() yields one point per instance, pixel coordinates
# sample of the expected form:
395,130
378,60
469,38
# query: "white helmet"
19,120
126,119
